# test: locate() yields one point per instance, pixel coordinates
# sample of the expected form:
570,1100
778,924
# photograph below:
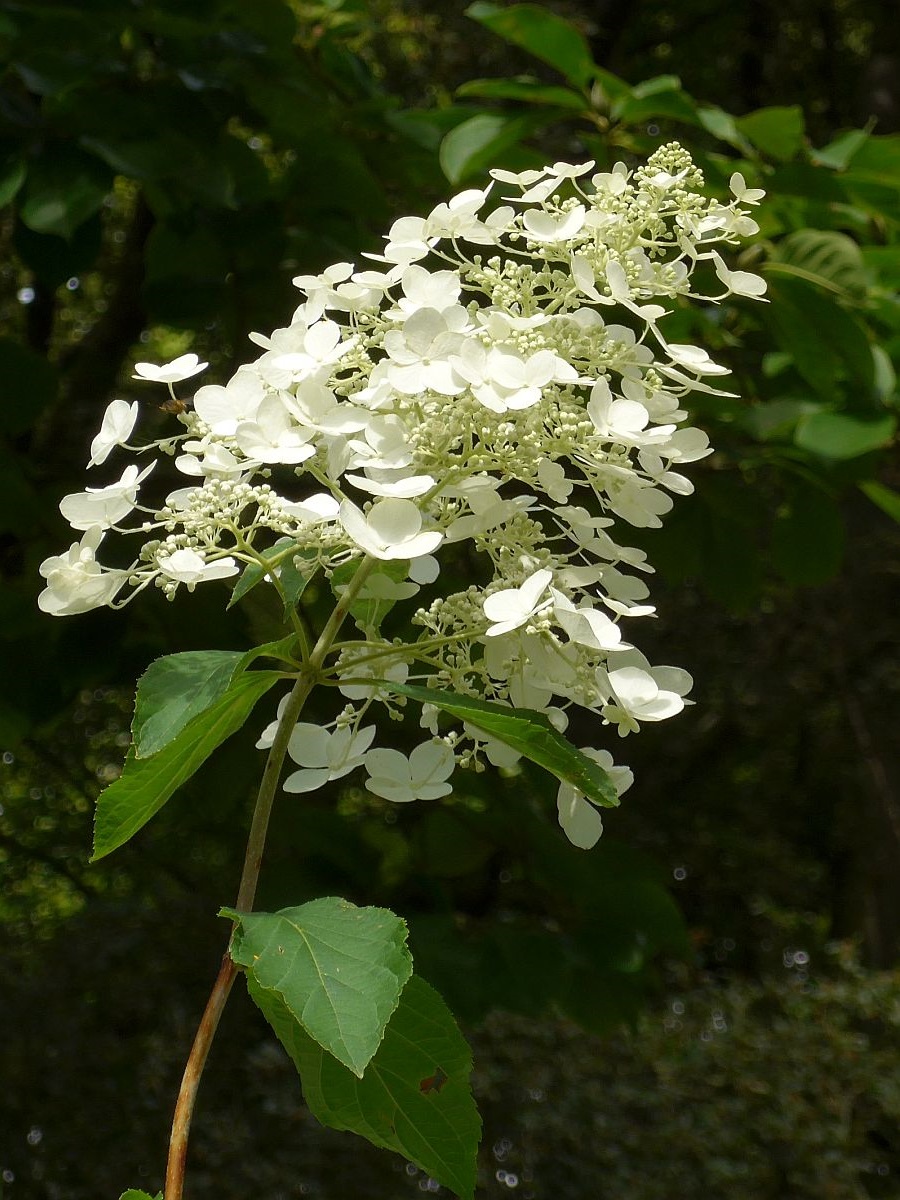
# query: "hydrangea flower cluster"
496,385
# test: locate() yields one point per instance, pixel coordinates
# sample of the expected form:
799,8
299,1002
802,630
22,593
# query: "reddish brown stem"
190,1082
212,1014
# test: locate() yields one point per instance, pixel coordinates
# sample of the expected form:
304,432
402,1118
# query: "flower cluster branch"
499,376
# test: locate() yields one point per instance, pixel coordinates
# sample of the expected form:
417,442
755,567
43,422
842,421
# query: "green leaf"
176,689
722,125
825,341
839,152
414,1097
842,436
137,1194
524,730
523,88
808,537
338,969
293,581
478,143
777,131
662,96
384,588
886,498
824,257
64,187
146,784
545,35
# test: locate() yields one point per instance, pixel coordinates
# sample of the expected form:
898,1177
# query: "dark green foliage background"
164,171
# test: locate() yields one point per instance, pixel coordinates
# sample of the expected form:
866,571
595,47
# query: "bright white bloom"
579,818
640,695
501,362
107,506
512,607
190,568
76,582
422,776
183,367
119,420
390,529
324,756
740,283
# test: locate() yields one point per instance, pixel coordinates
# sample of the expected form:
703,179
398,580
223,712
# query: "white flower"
580,820
390,529
271,437
422,776
118,422
640,695
324,756
175,371
512,607
740,283
742,193
105,506
76,582
586,625
190,568
224,408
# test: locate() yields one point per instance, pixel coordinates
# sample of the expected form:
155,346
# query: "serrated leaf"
176,689
544,34
884,497
777,131
338,969
414,1097
525,730
529,91
146,784
842,436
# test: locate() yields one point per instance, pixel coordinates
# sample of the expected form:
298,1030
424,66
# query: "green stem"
215,1005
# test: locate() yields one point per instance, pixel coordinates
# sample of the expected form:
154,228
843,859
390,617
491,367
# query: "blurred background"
708,1002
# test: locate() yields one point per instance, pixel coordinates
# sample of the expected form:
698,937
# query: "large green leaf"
525,730
473,146
137,1194
842,436
826,342
414,1097
146,784
526,89
176,689
829,259
338,969
542,33
777,131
